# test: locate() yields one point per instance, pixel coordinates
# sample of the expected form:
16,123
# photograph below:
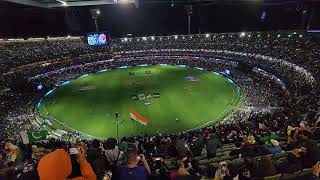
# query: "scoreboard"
98,38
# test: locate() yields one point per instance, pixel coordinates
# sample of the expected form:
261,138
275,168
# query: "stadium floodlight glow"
279,35
123,1
144,38
175,37
249,35
125,39
289,35
207,35
98,11
69,36
295,33
258,35
152,38
300,35
64,3
242,34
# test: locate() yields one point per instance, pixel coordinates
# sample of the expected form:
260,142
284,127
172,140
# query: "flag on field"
29,137
138,118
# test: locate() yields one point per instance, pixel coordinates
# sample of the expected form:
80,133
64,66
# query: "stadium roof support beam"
28,3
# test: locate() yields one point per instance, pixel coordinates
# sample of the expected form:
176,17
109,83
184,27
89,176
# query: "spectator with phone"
62,165
222,171
137,167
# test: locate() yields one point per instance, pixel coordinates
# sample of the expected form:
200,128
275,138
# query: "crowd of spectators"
274,134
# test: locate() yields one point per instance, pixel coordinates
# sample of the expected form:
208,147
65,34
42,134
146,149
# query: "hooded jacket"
57,166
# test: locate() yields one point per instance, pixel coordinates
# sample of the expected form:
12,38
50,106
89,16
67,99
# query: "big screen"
97,39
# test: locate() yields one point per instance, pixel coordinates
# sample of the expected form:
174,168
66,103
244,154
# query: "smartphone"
73,151
158,159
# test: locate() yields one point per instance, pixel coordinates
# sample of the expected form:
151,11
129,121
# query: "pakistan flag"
29,137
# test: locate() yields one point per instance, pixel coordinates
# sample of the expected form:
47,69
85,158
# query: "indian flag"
138,118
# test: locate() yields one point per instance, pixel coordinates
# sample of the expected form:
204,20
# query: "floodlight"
98,11
175,37
64,3
126,39
144,38
152,38
279,35
207,35
123,1
242,34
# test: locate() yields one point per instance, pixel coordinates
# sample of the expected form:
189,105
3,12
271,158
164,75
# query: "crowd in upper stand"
239,147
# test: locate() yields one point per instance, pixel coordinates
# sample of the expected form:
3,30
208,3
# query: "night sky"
150,19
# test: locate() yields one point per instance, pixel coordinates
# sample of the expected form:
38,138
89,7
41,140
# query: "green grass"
194,104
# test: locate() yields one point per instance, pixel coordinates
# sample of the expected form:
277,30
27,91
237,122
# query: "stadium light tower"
95,15
189,13
118,122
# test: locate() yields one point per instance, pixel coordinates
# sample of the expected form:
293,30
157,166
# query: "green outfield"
172,98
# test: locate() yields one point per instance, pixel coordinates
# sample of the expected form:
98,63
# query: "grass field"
183,104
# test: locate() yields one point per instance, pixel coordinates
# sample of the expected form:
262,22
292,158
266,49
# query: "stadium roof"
64,3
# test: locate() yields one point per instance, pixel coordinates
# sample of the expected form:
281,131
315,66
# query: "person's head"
223,166
238,144
61,164
110,144
96,143
132,157
265,162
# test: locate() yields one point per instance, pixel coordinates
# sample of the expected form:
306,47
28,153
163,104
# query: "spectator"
211,170
133,170
263,167
58,165
182,146
293,161
113,153
222,172
275,148
212,144
197,145
182,171
94,151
